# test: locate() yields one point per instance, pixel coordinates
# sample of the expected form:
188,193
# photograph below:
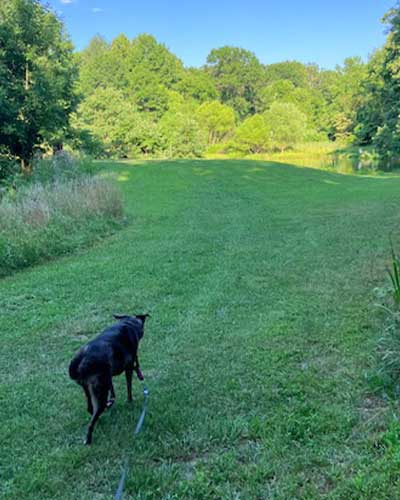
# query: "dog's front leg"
128,374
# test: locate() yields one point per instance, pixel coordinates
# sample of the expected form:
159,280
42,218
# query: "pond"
339,161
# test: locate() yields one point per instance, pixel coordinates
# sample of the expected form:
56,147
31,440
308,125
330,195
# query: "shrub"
287,123
218,119
107,118
183,135
253,135
46,220
8,169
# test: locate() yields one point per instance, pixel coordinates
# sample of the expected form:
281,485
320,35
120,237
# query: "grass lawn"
259,355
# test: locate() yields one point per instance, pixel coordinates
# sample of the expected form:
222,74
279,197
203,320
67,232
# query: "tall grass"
394,274
389,343
43,220
62,165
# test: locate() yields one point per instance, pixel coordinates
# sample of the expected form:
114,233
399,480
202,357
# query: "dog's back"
109,352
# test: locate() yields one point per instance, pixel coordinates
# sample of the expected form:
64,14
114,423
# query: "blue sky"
321,31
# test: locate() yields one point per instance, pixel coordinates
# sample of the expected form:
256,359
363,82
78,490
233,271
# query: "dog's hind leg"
111,401
99,394
128,374
88,399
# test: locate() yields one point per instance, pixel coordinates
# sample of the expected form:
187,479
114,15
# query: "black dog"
113,351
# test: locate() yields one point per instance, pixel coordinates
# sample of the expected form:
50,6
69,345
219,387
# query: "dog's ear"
120,316
142,317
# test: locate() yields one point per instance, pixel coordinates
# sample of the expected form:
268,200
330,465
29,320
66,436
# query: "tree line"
134,97
138,98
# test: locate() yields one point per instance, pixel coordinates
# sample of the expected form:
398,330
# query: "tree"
218,119
152,98
307,99
291,71
198,85
114,121
349,95
279,90
153,71
152,63
379,112
370,113
143,69
237,74
342,90
287,123
253,135
119,53
37,75
94,66
183,136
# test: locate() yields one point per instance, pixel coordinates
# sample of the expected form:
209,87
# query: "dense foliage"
379,111
234,103
137,98
37,75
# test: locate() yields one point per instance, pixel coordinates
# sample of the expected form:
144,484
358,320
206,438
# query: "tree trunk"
59,146
26,166
26,76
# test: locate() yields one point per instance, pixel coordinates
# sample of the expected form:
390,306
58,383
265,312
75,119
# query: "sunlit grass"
258,354
323,155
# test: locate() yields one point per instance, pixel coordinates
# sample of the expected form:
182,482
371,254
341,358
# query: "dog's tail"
74,368
81,367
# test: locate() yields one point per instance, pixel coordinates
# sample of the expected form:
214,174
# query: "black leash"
138,428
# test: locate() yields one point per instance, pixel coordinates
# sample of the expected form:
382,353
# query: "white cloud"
66,2
97,9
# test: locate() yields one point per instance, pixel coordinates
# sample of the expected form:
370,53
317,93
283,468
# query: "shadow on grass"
123,170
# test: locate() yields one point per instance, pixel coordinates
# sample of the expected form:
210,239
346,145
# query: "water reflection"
361,163
341,162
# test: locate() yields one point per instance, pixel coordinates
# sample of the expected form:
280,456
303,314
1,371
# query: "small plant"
389,343
394,273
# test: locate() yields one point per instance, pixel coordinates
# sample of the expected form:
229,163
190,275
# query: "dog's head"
137,318
142,317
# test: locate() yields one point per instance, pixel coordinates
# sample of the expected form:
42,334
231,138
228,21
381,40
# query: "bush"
287,123
183,136
107,124
218,119
253,135
46,220
8,169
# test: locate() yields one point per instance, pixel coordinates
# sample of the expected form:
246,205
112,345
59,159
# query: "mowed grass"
259,354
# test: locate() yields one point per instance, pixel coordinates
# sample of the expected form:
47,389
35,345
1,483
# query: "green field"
260,353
